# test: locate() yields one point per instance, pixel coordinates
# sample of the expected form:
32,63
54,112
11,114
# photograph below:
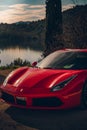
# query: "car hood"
36,79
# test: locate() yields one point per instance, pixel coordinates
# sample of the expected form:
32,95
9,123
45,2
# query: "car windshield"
64,60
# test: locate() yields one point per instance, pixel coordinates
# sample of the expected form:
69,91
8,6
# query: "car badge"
21,90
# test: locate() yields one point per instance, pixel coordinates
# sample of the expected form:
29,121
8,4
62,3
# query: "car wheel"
84,97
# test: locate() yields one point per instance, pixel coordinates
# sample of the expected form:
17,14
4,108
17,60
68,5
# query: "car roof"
75,50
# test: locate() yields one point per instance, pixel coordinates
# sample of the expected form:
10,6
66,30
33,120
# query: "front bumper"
49,100
36,101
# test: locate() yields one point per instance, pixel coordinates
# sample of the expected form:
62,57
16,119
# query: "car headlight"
5,82
62,84
7,78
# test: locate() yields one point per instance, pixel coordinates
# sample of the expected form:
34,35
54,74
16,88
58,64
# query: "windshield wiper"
48,68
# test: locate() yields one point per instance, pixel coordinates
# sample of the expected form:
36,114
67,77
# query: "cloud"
66,7
24,12
21,12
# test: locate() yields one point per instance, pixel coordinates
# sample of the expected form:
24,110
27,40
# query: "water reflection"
7,55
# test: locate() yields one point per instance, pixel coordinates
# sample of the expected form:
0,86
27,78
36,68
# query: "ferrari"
59,81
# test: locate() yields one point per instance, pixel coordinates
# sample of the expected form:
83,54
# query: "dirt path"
7,123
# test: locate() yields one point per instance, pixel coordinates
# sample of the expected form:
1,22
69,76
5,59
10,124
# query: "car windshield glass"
64,60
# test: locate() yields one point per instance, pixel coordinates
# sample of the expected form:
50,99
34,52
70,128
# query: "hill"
75,27
33,33
23,34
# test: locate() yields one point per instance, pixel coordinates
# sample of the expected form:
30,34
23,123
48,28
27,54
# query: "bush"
16,63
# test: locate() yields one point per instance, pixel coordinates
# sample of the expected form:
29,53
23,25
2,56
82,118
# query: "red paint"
33,83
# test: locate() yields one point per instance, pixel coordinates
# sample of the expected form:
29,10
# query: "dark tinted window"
65,60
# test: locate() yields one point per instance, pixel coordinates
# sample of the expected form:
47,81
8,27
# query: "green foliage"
26,34
16,63
20,62
75,27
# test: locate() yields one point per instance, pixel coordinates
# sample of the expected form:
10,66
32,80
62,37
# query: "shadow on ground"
74,119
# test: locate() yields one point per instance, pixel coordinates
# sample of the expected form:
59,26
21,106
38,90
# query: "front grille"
8,98
20,102
47,102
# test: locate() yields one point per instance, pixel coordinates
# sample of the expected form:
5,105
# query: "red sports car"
59,81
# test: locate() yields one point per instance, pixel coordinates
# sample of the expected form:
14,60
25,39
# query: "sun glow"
24,12
21,12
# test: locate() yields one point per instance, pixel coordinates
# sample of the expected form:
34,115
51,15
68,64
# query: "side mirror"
34,64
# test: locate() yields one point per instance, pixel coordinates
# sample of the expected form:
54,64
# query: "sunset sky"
27,10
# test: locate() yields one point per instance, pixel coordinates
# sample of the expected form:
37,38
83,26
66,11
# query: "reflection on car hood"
29,78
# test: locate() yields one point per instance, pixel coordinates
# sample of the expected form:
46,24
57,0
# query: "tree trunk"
54,30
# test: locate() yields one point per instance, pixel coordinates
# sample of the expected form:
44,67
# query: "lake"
8,55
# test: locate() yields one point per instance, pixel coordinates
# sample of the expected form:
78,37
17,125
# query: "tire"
84,97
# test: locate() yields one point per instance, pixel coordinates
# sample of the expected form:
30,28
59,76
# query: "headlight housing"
7,78
5,81
63,84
